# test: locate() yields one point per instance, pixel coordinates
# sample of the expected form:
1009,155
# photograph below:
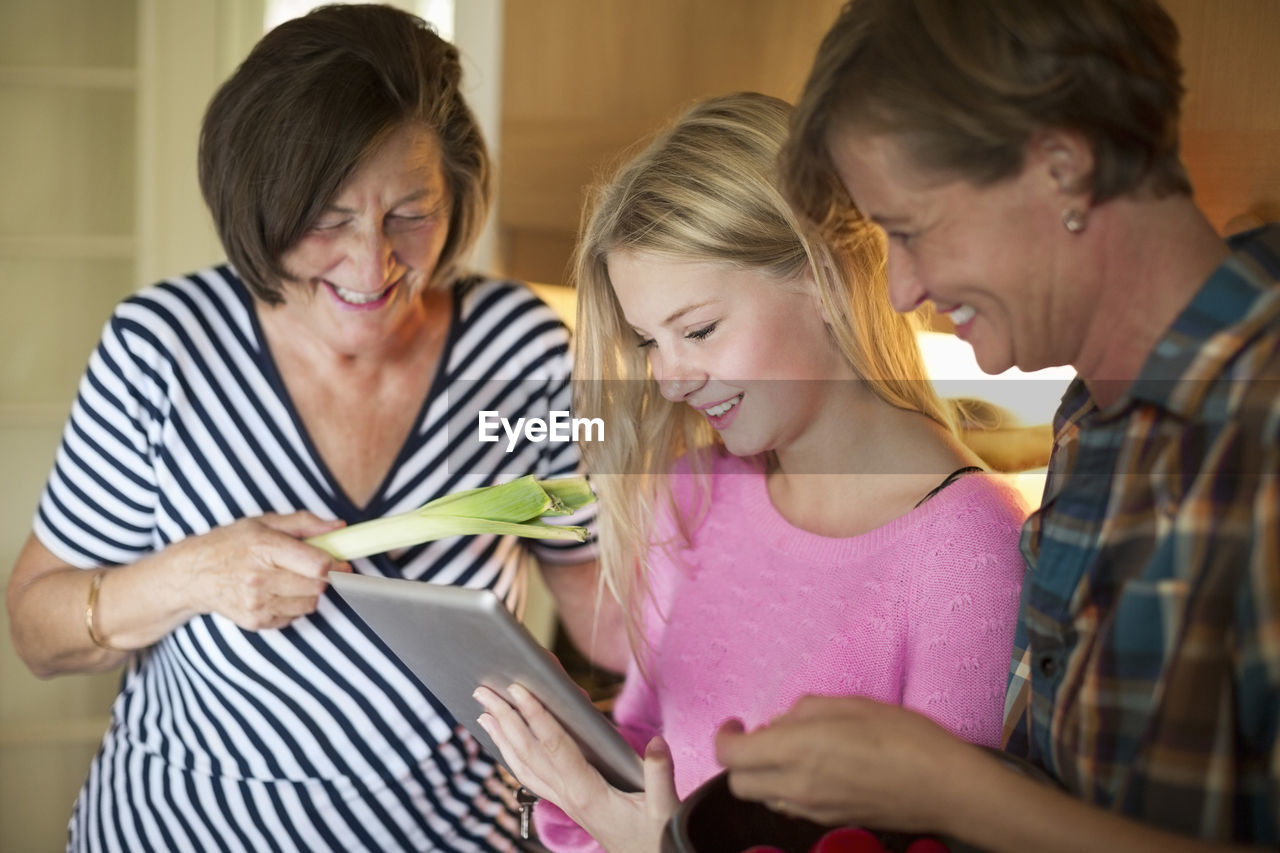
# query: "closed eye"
703,333
409,221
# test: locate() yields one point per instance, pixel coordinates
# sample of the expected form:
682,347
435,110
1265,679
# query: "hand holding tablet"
456,639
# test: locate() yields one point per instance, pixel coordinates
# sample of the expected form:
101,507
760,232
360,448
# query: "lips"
722,408
361,300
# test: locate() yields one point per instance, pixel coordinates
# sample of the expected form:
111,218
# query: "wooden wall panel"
583,80
1231,117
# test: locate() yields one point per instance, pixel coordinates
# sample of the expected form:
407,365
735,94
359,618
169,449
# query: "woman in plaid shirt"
1023,160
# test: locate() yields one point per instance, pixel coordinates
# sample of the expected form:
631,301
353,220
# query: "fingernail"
733,726
518,692
656,748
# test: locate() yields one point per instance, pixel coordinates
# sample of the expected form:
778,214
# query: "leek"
514,508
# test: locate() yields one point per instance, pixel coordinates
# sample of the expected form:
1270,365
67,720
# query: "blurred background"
101,102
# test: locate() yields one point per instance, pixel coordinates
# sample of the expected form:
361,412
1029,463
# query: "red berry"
848,839
927,845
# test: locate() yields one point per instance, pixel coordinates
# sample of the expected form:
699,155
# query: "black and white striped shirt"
312,737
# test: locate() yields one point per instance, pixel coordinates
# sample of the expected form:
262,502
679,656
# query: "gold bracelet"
94,586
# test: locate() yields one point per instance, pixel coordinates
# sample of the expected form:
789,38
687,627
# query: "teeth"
717,411
961,315
355,297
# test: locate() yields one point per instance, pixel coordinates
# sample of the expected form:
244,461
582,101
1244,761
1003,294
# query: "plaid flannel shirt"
1146,668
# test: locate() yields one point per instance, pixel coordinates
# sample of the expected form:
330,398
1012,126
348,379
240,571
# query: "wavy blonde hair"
706,189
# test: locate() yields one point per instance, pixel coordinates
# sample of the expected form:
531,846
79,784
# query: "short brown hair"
964,84
314,98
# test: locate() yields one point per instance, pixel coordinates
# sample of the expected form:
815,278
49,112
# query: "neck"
843,481
1150,257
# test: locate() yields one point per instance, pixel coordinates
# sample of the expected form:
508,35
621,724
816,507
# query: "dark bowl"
713,820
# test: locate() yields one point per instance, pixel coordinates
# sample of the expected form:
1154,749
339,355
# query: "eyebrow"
685,310
413,196
676,315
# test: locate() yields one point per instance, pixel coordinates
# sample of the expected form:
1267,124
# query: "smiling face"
749,352
987,257
362,266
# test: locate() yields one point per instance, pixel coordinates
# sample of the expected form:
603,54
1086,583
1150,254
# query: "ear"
1066,158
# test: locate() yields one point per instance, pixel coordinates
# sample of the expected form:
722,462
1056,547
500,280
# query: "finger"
292,606
514,760
503,715
498,709
821,707
262,590
301,524
727,742
288,554
485,696
545,727
521,741
291,553
285,584
659,780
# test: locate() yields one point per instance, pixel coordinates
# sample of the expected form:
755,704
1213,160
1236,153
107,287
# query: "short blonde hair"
706,189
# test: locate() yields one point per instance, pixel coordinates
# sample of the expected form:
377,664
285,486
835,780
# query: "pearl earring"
1073,220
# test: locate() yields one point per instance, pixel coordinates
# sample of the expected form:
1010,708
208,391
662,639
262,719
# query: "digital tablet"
455,639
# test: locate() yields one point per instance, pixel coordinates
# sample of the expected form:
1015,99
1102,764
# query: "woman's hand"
257,572
848,760
857,761
548,762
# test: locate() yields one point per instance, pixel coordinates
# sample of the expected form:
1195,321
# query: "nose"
373,257
905,290
676,378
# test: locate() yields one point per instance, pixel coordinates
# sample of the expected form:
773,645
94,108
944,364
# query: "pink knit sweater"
919,612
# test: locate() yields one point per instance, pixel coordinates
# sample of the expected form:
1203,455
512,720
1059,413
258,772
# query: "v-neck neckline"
345,507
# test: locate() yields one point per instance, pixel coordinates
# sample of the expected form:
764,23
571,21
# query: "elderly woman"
330,373
1023,160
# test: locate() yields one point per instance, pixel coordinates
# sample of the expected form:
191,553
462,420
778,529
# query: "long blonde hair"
706,189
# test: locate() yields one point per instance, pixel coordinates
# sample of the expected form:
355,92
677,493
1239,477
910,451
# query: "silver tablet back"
455,639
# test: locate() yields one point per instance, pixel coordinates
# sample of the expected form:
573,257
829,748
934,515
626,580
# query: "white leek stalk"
514,508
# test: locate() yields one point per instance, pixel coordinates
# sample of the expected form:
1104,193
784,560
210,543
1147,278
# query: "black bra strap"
951,478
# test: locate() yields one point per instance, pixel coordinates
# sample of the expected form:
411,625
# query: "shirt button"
1048,666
